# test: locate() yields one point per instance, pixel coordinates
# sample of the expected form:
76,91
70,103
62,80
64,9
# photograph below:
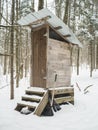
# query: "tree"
40,4
0,12
65,19
12,50
6,41
58,7
32,5
17,45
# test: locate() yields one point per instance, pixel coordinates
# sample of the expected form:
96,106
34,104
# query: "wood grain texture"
49,56
58,61
64,99
63,90
42,104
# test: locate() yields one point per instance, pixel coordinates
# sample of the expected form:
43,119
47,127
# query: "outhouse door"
39,58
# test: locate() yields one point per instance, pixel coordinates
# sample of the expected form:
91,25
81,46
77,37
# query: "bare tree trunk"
91,46
69,14
65,19
0,12
1,9
96,38
91,65
32,3
40,4
17,47
6,41
74,22
21,56
26,55
46,3
12,51
78,59
79,10
5,58
96,56
58,7
19,10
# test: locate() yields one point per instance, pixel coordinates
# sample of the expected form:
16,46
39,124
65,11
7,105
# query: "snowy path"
82,116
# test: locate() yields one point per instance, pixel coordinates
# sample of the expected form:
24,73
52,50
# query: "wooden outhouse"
51,41
50,56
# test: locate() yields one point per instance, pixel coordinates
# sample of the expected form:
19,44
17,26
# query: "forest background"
15,43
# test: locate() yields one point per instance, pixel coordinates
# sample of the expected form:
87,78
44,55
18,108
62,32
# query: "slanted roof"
54,21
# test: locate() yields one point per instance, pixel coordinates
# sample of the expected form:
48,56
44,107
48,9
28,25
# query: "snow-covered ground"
82,116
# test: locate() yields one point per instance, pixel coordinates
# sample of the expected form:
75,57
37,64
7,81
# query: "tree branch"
1,54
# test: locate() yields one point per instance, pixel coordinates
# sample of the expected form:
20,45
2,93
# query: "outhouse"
51,41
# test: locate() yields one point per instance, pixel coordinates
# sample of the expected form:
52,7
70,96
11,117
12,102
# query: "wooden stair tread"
37,89
31,98
62,90
29,104
58,88
32,92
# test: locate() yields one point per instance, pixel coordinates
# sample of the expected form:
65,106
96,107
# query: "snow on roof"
54,21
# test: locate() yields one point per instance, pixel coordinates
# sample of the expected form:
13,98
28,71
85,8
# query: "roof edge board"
40,20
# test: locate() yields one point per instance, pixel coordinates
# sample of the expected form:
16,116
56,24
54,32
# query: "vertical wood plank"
39,58
59,62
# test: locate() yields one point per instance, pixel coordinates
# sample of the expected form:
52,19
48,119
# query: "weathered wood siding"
38,58
58,60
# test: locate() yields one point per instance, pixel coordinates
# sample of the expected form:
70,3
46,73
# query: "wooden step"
34,101
64,99
29,104
62,90
35,91
22,104
32,98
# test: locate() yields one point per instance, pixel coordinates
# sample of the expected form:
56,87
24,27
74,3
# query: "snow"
96,33
82,116
25,110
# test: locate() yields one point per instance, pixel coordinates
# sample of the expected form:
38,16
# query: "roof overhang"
43,16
